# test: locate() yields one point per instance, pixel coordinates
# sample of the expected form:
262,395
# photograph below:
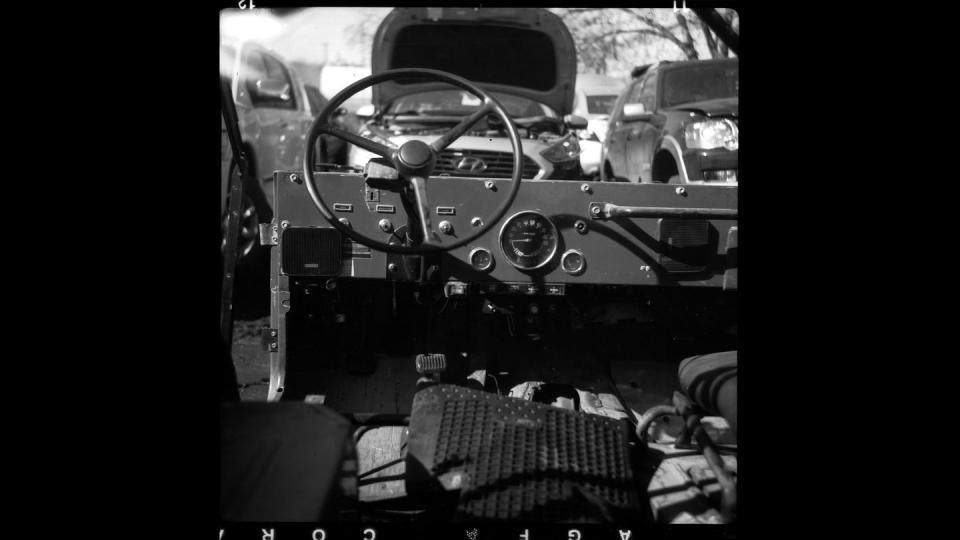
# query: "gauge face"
481,259
528,240
572,262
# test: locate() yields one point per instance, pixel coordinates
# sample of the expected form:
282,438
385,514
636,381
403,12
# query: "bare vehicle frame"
465,349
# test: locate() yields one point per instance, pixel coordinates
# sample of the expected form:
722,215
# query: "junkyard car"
676,123
447,345
274,116
537,95
596,95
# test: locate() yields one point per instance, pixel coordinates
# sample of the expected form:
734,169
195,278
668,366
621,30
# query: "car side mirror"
366,111
636,112
274,89
575,122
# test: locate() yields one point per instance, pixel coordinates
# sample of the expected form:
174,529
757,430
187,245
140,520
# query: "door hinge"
268,234
270,338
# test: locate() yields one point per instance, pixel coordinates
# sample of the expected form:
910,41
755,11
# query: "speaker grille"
684,245
310,251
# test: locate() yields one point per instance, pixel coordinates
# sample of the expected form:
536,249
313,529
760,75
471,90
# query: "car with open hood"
482,45
677,122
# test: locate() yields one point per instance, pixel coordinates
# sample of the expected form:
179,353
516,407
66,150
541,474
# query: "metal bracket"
268,234
270,338
604,210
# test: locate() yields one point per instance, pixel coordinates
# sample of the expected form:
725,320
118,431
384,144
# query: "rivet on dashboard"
345,221
489,184
580,226
585,188
392,267
294,178
284,224
385,225
446,227
476,222
681,190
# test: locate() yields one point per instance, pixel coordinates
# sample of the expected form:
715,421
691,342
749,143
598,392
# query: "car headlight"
587,135
565,149
708,134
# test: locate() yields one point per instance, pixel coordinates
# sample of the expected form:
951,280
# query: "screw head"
446,227
385,225
489,184
580,226
585,188
681,190
295,178
284,224
392,267
476,222
345,221
595,210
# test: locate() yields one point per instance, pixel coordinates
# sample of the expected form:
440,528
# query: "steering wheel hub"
415,154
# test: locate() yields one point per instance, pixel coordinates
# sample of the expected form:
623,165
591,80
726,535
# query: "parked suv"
677,122
274,117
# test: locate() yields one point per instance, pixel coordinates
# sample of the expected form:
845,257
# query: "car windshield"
600,104
460,103
700,83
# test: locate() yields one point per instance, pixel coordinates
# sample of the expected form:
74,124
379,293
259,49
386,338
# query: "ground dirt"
251,362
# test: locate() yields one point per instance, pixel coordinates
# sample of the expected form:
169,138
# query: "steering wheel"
414,161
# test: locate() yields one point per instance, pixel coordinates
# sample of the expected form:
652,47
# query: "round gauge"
528,240
481,259
572,262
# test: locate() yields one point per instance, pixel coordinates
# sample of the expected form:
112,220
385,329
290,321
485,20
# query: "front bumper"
704,166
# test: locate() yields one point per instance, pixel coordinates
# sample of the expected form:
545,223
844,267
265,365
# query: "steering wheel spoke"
381,150
419,186
457,131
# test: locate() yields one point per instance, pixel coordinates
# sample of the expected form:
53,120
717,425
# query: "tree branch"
688,47
711,43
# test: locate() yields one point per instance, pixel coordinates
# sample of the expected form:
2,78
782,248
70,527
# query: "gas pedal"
431,364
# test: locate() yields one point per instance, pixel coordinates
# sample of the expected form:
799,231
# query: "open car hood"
527,52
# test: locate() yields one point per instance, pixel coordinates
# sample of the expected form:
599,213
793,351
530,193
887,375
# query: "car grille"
498,164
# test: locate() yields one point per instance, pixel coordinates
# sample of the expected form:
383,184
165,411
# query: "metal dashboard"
628,234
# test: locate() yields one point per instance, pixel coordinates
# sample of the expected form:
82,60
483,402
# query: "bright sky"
316,35
322,36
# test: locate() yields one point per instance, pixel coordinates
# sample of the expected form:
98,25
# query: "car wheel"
249,227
